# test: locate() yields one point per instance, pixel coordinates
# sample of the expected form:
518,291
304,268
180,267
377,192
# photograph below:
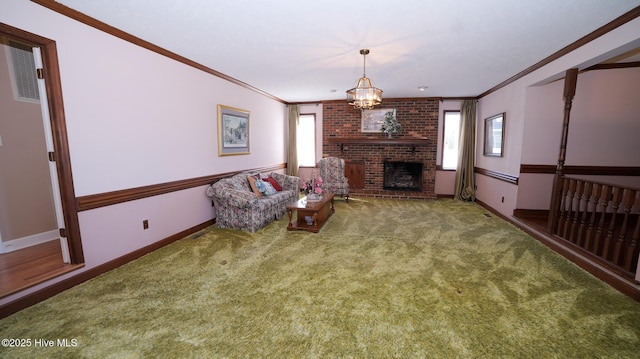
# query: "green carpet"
382,279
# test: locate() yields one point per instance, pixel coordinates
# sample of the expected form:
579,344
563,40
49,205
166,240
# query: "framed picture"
233,131
372,119
494,135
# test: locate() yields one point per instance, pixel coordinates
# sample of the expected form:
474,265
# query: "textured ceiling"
309,50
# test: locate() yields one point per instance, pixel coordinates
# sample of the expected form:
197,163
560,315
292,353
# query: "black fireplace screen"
402,176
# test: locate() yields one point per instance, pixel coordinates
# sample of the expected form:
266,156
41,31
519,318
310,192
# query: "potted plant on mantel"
390,124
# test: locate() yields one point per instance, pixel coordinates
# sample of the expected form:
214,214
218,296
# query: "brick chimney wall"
419,120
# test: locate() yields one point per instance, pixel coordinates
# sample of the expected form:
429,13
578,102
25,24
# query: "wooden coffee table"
320,211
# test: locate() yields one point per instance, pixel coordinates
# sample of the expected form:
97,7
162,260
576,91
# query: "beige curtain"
465,184
292,158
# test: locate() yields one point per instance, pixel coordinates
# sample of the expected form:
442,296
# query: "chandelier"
364,96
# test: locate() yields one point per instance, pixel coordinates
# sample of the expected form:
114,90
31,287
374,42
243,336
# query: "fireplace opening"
402,176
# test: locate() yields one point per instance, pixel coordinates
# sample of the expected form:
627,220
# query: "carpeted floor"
382,279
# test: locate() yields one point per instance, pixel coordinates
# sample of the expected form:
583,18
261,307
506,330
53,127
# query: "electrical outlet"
145,224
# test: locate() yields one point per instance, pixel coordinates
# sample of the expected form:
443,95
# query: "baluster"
627,201
631,256
575,218
554,207
569,204
563,204
583,221
590,234
617,194
606,191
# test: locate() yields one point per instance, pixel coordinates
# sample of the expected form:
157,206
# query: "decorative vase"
309,220
313,197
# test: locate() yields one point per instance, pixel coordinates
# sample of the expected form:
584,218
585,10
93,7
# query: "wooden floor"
537,221
29,266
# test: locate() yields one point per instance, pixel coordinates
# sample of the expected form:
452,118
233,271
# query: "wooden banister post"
570,81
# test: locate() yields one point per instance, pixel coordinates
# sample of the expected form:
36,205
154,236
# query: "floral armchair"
333,178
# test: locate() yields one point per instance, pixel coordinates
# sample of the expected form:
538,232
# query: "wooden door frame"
59,132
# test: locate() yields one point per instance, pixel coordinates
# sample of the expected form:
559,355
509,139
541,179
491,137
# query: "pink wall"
136,118
111,232
534,191
445,183
603,128
499,195
512,101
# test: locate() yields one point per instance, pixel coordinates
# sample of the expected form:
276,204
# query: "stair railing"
601,220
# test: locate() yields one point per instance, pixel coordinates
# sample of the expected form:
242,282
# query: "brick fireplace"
366,153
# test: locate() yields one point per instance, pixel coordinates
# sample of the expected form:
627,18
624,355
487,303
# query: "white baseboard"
28,241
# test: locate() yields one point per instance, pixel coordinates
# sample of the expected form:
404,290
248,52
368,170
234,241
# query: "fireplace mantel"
413,142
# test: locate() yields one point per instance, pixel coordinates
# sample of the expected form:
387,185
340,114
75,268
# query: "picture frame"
233,131
372,120
494,135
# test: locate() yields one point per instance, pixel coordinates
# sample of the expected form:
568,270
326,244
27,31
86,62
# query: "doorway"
37,200
27,197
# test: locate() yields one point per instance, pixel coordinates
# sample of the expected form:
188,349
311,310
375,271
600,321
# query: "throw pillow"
274,183
265,187
252,182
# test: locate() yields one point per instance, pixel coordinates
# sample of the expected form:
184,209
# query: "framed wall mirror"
494,135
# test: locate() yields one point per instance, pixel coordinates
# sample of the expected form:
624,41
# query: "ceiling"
301,51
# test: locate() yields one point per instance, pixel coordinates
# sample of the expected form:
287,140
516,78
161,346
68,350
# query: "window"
451,134
306,141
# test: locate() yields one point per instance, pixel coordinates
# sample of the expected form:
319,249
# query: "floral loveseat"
240,204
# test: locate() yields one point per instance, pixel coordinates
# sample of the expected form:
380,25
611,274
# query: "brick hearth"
419,120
